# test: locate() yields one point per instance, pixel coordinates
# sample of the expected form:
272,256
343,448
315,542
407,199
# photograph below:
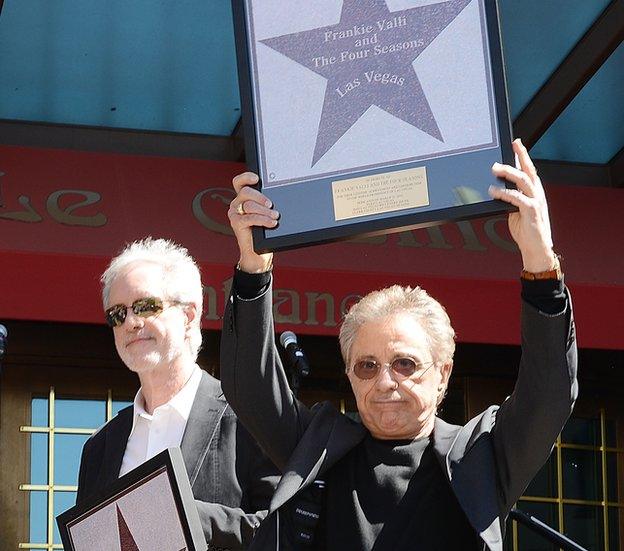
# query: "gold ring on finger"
240,209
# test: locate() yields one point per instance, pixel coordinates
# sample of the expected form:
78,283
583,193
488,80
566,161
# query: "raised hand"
530,225
250,208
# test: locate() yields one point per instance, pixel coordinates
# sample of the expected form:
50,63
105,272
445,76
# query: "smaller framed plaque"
371,116
151,507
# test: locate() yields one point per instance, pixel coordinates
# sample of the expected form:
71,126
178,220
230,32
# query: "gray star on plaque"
367,60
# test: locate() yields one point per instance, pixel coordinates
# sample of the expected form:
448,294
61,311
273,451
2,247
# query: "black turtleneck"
393,495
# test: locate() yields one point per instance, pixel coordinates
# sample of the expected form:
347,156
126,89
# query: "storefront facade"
65,213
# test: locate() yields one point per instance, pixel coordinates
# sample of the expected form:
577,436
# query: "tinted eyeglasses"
403,367
142,307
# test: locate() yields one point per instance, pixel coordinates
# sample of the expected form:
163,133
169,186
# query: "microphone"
3,340
294,353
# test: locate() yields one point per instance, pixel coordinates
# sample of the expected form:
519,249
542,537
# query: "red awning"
65,213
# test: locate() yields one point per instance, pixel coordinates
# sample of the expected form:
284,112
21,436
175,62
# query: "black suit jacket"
231,479
488,462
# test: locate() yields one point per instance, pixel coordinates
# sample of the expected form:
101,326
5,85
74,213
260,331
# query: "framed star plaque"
151,507
369,116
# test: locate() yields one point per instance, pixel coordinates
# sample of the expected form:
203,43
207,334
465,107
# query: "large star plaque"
367,60
149,508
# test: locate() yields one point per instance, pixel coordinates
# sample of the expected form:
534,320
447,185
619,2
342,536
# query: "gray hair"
182,278
416,302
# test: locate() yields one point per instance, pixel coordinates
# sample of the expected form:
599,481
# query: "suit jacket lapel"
333,436
450,443
443,437
206,413
115,447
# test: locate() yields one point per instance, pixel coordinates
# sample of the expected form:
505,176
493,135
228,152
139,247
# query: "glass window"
67,451
611,433
547,513
38,458
612,475
584,525
582,474
75,419
39,414
38,517
582,431
576,466
81,414
616,519
62,502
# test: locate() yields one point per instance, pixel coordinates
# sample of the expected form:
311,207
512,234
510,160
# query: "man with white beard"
152,295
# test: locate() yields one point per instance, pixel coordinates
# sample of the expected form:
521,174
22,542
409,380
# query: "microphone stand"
295,383
545,531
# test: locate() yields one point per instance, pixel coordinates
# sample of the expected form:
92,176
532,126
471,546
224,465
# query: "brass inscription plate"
380,193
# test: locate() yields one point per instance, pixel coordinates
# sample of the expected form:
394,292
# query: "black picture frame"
168,467
304,202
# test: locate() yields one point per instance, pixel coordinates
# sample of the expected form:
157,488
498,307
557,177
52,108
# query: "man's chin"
139,369
392,426
142,364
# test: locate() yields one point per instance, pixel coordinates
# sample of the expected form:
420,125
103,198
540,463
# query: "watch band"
554,273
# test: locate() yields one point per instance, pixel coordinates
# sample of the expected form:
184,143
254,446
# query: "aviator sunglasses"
142,307
403,367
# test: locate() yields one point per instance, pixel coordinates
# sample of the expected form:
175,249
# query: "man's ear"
446,372
190,313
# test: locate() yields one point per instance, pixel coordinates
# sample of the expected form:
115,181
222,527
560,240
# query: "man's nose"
385,380
132,321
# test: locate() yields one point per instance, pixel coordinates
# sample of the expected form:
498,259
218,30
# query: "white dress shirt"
154,433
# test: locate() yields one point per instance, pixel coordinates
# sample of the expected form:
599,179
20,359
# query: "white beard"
153,359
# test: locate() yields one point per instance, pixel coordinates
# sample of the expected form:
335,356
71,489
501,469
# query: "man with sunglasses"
152,296
402,479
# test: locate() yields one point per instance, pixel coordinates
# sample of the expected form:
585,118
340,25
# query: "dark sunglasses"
403,367
142,307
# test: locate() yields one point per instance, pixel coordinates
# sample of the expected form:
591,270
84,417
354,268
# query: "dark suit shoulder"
123,418
95,448
211,386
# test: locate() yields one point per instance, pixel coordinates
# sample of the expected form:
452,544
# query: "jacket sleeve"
234,527
253,378
228,527
528,422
